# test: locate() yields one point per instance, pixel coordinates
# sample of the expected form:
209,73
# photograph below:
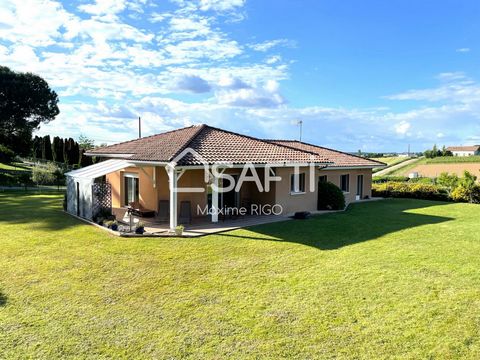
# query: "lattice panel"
102,197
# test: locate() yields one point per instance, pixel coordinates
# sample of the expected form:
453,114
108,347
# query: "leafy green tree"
44,174
26,101
85,143
6,155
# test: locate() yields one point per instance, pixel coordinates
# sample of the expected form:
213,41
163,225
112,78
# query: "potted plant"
114,225
140,228
179,230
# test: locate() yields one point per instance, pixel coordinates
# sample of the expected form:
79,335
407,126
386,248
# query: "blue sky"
370,75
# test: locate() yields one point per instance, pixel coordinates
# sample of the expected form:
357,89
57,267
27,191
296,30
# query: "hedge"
409,190
387,178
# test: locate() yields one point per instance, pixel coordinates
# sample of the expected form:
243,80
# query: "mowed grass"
387,279
13,166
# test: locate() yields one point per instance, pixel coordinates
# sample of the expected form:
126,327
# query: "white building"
465,150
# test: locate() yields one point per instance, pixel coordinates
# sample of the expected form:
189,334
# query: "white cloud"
402,127
273,59
267,45
463,50
192,83
221,5
455,86
102,7
120,70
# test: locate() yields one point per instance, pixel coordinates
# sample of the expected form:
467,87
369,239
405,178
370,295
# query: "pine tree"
58,149
76,153
47,148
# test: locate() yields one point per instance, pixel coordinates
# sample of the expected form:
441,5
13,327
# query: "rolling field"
434,170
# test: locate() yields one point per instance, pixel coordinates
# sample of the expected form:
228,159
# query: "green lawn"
13,166
389,279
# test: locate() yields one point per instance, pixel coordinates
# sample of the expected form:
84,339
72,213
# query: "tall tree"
26,101
57,148
76,153
72,152
37,147
47,148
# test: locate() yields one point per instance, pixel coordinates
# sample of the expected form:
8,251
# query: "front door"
231,198
131,189
360,186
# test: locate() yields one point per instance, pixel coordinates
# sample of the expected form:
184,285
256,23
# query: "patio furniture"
185,216
163,213
138,209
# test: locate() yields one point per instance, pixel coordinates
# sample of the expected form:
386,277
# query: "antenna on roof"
139,127
300,123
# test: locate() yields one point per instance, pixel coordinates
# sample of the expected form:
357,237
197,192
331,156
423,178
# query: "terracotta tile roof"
212,144
160,147
338,158
464,148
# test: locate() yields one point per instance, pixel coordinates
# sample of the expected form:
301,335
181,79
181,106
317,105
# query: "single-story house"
175,170
464,150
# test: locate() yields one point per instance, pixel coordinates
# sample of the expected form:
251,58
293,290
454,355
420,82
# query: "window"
360,186
345,183
322,179
131,188
297,183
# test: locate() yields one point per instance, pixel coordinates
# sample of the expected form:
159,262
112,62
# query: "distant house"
465,150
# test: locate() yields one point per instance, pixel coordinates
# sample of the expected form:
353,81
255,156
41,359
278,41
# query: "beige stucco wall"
308,201
279,193
333,176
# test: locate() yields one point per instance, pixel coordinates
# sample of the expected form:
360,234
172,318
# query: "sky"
373,76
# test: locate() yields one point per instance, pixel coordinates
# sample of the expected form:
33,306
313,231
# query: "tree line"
437,152
60,150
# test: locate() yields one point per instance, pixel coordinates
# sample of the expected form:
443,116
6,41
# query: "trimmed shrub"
463,194
409,190
330,197
6,155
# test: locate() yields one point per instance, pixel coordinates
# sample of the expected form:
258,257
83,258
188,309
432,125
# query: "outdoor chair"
138,209
163,213
185,216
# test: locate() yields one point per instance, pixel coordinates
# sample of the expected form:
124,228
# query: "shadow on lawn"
361,222
3,299
43,211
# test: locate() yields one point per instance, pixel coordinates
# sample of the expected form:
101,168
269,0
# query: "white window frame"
348,183
296,184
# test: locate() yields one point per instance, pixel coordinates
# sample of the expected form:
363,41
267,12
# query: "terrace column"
215,200
172,181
